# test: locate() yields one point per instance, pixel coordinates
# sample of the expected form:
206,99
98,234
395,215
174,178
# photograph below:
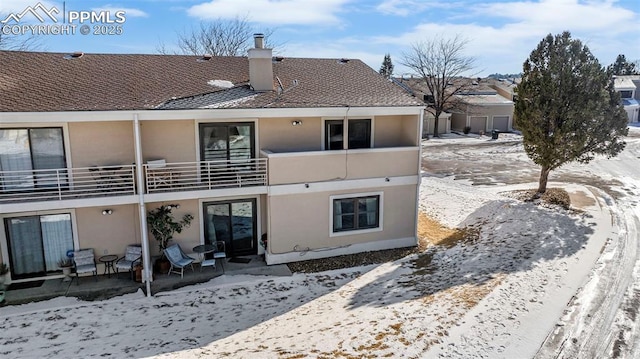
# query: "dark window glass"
334,133
356,213
359,134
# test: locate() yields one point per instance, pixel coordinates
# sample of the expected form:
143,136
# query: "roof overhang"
203,114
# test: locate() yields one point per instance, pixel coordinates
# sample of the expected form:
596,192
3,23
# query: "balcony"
66,183
319,166
204,175
109,181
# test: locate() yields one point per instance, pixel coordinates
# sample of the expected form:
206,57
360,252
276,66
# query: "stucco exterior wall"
174,141
302,220
101,143
279,135
107,234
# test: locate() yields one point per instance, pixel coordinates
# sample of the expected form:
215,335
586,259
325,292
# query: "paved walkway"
104,287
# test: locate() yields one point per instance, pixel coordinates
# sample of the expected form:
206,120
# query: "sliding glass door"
226,141
37,243
28,153
233,222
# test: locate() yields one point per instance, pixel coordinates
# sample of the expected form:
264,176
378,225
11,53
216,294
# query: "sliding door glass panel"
334,134
240,142
243,227
57,238
214,143
226,141
15,156
359,134
218,224
233,223
25,243
47,152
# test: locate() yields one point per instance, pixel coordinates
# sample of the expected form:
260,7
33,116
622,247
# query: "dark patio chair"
132,257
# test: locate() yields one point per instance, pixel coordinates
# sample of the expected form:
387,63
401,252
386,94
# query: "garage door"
478,123
501,123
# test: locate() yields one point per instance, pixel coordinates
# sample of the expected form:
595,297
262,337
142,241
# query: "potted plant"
65,264
162,226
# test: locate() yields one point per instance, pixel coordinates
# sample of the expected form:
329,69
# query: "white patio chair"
84,262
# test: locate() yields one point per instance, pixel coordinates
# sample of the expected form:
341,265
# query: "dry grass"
432,233
553,196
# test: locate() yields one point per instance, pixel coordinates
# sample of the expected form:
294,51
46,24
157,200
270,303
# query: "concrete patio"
104,287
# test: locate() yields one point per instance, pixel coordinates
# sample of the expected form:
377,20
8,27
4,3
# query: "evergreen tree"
567,108
386,69
622,67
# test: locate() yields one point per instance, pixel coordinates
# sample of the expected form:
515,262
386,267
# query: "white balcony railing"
103,181
205,175
66,183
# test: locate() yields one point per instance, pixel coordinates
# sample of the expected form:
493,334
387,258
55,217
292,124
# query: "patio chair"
220,253
178,259
132,257
84,262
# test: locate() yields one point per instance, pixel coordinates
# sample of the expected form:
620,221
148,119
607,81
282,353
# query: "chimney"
260,66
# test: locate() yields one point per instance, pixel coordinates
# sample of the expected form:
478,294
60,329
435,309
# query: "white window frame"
380,227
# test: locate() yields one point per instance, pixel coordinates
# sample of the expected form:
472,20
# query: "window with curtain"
351,214
37,243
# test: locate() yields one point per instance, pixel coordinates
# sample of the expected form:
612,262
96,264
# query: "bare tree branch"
19,42
440,63
217,38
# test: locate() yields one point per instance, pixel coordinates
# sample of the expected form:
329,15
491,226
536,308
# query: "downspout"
420,125
144,237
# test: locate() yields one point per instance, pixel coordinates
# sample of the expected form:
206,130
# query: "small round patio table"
108,261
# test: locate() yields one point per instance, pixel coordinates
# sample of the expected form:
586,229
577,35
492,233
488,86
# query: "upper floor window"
358,134
626,94
32,153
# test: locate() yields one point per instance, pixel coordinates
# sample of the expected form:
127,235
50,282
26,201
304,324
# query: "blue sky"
501,33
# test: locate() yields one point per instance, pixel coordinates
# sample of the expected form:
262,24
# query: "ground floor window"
37,243
355,213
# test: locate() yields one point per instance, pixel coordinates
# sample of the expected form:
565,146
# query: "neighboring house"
629,88
483,110
479,106
319,156
416,88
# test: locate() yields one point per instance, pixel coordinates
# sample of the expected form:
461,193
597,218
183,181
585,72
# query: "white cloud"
16,6
272,12
129,12
510,31
408,7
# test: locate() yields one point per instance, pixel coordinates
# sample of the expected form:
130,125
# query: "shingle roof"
41,82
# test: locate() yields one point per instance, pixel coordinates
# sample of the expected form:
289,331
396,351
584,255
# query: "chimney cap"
258,39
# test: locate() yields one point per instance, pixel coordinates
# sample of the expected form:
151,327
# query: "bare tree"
440,63
218,38
19,42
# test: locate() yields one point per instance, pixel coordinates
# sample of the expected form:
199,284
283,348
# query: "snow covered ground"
498,294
